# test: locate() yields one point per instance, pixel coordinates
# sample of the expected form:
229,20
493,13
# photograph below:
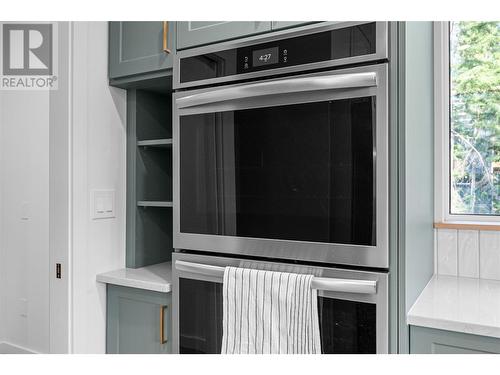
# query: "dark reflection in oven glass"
200,317
300,172
347,327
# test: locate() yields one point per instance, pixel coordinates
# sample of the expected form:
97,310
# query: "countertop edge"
453,326
156,278
417,315
139,284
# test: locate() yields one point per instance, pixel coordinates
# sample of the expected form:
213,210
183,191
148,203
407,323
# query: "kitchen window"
467,121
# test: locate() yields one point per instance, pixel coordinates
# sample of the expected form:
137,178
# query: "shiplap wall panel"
447,254
489,255
468,253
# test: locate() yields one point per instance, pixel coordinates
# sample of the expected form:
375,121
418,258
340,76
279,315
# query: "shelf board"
156,82
165,142
154,203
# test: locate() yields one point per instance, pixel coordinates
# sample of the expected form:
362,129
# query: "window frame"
442,163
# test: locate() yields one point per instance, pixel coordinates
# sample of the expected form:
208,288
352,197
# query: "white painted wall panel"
99,162
24,231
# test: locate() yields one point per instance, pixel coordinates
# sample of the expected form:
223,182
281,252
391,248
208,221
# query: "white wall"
87,139
1,216
418,158
24,236
99,162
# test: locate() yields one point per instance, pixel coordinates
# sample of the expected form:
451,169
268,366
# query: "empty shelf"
154,203
165,142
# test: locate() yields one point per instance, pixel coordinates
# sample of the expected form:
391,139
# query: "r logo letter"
35,42
27,49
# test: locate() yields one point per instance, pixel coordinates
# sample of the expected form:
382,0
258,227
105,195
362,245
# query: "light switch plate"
102,204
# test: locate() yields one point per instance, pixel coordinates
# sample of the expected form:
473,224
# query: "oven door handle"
321,283
281,86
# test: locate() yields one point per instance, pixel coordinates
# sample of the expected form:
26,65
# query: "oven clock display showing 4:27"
265,56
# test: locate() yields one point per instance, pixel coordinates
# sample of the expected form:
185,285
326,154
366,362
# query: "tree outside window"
475,118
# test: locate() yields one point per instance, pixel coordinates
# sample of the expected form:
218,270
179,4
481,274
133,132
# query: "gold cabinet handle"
163,340
165,37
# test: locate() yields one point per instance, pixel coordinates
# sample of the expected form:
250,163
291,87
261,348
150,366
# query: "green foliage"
475,117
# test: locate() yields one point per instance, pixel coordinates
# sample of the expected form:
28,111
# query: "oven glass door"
295,172
346,327
290,166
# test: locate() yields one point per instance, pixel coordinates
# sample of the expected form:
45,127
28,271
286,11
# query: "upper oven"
294,167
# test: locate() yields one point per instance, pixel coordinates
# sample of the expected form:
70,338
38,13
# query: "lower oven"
352,307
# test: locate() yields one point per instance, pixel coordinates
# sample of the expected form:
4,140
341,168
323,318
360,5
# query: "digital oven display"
266,56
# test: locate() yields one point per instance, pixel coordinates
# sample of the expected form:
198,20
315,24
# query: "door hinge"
58,270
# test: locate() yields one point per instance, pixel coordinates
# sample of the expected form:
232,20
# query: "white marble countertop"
459,304
157,277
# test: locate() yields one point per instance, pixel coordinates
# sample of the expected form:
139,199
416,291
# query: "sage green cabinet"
138,47
149,177
196,33
277,25
435,341
137,321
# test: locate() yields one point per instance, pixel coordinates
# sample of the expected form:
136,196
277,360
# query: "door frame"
60,196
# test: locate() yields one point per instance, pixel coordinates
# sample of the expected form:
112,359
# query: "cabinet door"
138,47
195,33
134,321
276,25
436,341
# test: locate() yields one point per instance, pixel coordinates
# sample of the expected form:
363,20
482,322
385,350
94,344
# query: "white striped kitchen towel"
267,312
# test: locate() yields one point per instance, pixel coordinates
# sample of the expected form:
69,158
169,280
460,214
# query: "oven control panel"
314,47
294,51
263,57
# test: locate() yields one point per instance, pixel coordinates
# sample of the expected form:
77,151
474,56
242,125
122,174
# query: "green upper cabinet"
276,25
195,33
140,47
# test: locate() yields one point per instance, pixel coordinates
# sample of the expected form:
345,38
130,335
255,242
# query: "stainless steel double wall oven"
281,162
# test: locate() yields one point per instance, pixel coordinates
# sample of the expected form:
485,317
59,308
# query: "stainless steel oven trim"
328,284
282,86
369,256
381,52
381,298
